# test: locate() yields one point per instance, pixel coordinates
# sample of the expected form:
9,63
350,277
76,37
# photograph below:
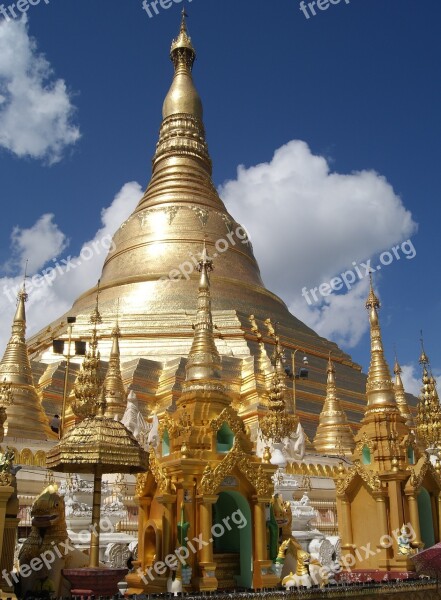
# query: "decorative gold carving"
420,471
372,481
255,473
231,418
202,214
141,482
363,441
162,479
171,212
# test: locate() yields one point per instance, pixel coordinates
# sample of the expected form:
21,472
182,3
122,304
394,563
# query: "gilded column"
384,530
414,519
207,579
263,577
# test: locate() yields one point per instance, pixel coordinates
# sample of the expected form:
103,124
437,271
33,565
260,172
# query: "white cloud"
411,378
35,109
340,317
37,245
309,224
63,284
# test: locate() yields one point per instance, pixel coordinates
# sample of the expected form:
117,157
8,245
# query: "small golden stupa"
334,434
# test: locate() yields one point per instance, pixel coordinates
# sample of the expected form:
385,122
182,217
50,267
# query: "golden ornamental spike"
372,300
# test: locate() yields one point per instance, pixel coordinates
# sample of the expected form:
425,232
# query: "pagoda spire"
429,409
379,388
400,396
334,434
182,97
203,361
277,424
114,391
25,416
182,131
88,384
383,428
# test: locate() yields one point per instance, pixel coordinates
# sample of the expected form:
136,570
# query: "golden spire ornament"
182,97
277,424
203,361
88,383
400,396
334,434
428,420
379,388
114,391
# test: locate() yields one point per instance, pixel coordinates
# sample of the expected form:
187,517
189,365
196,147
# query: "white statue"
295,445
292,448
133,419
153,436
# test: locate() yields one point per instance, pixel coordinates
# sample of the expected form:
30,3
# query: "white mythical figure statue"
147,435
292,448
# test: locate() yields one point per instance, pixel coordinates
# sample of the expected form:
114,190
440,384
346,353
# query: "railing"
326,520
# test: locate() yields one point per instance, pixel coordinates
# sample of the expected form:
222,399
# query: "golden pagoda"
151,267
206,477
334,434
389,484
25,416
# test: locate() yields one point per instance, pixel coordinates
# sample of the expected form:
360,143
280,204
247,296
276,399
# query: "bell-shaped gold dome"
151,270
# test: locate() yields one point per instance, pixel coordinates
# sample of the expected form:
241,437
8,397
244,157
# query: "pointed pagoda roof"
114,391
88,383
204,362
429,409
334,434
400,396
25,416
379,387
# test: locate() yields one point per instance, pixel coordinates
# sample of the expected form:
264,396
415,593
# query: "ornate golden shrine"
379,493
205,457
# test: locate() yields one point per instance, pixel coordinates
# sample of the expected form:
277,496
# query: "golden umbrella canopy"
98,445
98,442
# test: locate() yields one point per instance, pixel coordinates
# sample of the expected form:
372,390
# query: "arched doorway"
150,545
232,535
426,518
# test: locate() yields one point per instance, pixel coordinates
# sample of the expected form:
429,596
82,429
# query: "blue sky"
347,99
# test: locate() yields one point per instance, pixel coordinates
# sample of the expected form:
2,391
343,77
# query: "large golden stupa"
149,278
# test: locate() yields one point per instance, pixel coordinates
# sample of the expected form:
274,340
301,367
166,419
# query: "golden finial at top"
95,317
183,44
424,359
372,300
